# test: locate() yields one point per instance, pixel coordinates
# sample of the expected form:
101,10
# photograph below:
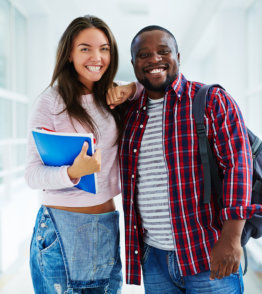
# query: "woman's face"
90,55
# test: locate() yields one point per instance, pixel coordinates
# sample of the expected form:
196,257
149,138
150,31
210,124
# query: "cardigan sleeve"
37,175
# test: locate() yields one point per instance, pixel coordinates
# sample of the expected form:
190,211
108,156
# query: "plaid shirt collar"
177,86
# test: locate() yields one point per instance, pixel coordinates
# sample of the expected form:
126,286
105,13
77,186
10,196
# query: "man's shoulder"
134,105
189,87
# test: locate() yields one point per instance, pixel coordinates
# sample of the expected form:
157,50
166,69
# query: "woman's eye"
84,49
105,49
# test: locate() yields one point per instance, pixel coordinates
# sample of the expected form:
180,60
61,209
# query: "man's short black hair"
153,28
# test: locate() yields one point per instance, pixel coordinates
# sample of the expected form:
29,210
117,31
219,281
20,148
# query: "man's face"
155,61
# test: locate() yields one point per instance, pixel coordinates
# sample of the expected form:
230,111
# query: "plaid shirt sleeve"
233,152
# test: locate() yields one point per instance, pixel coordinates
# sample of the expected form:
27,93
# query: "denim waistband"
89,244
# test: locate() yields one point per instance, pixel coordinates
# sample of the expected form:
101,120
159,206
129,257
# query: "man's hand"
84,164
118,95
226,254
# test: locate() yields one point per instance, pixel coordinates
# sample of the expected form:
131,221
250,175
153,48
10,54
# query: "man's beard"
158,88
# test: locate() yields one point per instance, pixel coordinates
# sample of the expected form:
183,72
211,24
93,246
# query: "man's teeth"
93,68
156,70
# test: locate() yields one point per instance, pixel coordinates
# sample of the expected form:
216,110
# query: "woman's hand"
85,165
119,94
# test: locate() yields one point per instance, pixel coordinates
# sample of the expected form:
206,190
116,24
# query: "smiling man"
183,244
161,47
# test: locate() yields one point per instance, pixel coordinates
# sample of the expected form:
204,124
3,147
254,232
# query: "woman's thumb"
84,148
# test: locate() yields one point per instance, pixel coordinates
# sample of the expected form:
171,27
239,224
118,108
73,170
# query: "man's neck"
155,95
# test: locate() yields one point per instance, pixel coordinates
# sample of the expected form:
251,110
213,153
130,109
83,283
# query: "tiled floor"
17,280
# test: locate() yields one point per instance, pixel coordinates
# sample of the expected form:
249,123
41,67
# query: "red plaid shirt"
196,226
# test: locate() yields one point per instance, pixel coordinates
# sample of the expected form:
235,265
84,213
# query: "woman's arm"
119,94
39,176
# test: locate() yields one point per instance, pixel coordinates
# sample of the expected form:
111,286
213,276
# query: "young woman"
75,244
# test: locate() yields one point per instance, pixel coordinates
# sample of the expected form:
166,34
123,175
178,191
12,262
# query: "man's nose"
155,57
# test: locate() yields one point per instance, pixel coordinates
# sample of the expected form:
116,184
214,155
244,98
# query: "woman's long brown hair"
67,81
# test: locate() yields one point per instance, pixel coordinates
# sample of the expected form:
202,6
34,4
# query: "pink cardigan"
57,188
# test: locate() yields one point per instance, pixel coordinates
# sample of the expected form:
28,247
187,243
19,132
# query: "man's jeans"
161,276
76,253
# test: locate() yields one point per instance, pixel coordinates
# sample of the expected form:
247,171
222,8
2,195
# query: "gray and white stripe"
152,182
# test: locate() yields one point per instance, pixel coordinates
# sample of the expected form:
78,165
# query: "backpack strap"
245,260
210,169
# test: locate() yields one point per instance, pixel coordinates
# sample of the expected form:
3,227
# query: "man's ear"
178,57
70,58
132,62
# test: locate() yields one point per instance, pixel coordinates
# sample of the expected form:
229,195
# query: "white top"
152,190
57,188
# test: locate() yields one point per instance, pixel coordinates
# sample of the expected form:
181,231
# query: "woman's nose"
95,55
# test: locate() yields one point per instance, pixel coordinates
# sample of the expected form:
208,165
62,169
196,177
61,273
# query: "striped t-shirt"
152,182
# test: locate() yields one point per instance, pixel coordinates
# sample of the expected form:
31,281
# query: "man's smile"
155,69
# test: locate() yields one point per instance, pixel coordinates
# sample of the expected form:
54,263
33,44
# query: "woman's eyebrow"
85,44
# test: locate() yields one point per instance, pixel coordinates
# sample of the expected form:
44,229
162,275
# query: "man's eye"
164,52
143,55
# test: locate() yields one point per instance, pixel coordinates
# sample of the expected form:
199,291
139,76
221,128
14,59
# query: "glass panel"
5,118
255,44
1,158
254,114
21,120
20,154
20,53
19,174
11,156
4,42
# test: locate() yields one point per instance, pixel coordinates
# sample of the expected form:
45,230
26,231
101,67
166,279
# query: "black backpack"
253,226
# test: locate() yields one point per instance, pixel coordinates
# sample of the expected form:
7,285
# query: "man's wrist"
232,229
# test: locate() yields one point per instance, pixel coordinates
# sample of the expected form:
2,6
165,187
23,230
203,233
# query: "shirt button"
178,95
141,126
39,238
135,150
137,111
134,227
43,225
144,108
136,252
133,176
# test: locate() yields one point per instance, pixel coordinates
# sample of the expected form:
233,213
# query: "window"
13,88
4,42
19,53
254,93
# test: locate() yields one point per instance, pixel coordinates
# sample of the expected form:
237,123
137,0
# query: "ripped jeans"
75,253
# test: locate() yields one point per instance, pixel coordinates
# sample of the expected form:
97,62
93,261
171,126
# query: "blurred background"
219,42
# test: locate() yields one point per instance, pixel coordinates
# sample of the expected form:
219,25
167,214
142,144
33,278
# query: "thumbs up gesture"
84,164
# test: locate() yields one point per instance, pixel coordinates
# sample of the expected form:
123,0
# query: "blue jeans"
75,253
161,276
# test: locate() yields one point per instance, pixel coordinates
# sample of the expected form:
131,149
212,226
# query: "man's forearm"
233,229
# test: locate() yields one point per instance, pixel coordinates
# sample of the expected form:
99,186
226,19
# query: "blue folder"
57,149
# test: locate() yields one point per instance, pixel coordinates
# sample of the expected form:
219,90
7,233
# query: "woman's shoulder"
51,96
47,101
50,93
